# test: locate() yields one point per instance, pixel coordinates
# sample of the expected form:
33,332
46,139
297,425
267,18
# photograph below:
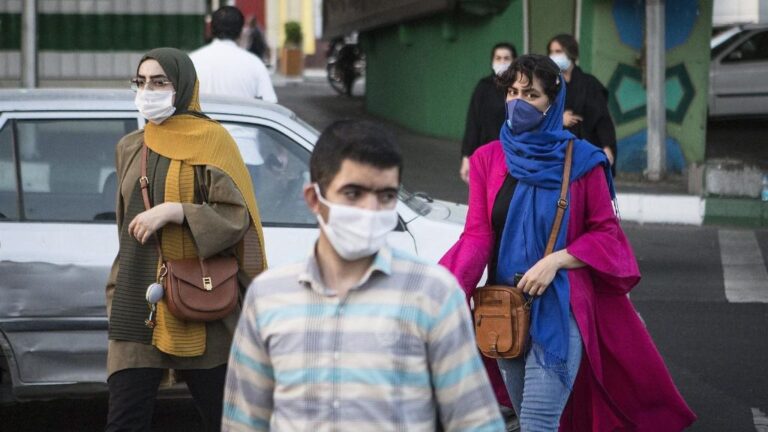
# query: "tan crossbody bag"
503,313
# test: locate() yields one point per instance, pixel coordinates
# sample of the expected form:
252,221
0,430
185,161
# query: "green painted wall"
422,74
547,19
106,32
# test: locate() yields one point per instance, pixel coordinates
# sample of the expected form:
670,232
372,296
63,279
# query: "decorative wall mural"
629,16
633,157
627,95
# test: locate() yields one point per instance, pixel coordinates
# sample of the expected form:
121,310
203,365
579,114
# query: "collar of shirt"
312,279
224,42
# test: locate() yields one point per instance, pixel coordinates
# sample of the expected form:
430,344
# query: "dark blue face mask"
522,116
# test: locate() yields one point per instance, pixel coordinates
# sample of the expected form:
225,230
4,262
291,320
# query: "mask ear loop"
557,82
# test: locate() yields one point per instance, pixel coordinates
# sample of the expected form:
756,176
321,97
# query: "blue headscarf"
536,160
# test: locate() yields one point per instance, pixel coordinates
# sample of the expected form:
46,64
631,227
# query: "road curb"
692,210
743,212
671,209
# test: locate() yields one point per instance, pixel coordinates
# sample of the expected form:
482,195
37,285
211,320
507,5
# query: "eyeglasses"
159,83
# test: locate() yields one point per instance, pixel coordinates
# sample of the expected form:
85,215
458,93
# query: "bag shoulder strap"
144,184
562,203
144,180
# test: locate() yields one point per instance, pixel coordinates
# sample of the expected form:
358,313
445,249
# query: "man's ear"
310,196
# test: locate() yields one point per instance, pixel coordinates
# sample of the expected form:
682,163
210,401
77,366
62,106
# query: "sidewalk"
432,164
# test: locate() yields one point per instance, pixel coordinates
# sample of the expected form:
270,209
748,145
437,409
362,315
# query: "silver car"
58,236
738,72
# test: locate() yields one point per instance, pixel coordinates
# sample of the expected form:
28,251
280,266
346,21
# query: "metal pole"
526,27
29,44
656,104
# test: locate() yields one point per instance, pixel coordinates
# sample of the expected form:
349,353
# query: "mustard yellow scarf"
190,140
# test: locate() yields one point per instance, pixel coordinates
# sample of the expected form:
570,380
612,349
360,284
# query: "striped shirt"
396,354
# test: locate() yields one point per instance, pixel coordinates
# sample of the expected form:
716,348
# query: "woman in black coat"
586,103
486,111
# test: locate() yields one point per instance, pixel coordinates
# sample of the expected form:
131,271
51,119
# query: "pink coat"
622,383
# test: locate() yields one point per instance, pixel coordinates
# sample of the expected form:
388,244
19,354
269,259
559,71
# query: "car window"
753,49
68,168
8,197
279,168
724,43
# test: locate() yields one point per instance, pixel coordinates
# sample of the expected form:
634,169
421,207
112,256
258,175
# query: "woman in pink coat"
590,365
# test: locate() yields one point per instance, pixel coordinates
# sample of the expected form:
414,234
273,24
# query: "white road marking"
746,279
760,419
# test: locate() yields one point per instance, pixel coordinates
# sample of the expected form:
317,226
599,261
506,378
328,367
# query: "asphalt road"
717,351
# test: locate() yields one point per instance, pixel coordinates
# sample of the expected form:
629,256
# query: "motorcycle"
345,63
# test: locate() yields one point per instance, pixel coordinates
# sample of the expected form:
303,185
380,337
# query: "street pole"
29,44
656,104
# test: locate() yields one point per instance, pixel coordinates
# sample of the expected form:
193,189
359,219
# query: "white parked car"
738,72
57,232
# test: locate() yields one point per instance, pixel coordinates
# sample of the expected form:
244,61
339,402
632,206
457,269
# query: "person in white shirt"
223,68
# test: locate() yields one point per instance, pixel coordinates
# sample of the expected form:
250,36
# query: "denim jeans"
537,394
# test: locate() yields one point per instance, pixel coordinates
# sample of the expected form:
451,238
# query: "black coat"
587,97
485,116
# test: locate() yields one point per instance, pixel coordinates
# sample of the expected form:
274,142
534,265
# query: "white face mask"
155,105
562,61
500,68
354,232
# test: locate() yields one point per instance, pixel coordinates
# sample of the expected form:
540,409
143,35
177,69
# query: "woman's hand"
538,278
464,170
609,154
148,222
571,119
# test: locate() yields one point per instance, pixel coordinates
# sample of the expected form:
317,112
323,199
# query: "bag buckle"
207,283
562,203
143,182
494,349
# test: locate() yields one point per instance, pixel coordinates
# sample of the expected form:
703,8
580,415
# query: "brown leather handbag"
196,289
503,313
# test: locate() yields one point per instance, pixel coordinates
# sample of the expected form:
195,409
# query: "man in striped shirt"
359,337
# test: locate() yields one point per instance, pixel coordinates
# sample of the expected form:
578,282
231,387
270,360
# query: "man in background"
223,68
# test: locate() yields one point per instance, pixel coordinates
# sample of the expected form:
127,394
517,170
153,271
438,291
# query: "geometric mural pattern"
627,95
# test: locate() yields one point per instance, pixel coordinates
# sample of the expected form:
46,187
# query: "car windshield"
723,40
724,35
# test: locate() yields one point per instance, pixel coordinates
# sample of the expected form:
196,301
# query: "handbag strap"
144,184
562,203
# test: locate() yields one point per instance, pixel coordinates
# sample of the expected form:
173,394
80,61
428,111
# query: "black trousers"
132,394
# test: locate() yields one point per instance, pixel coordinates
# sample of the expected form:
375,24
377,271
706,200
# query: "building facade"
421,68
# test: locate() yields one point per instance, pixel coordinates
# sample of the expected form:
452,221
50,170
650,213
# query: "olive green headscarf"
180,70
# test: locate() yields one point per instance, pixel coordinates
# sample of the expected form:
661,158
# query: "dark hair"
569,44
504,45
356,140
530,66
227,23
